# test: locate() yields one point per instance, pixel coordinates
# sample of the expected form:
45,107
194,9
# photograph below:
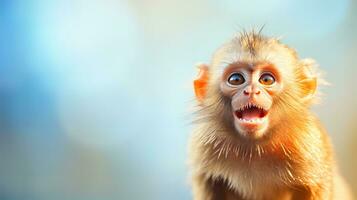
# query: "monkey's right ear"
200,84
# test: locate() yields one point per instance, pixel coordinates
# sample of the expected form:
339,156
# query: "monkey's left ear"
309,81
309,89
200,84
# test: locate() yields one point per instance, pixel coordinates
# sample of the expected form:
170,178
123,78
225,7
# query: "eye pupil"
236,79
267,79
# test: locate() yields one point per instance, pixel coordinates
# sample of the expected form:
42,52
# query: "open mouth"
251,113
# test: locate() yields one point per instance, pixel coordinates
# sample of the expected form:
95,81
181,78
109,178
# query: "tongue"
252,113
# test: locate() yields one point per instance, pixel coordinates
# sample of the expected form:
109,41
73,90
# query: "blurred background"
96,95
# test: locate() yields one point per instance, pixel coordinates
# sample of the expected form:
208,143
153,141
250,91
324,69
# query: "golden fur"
294,161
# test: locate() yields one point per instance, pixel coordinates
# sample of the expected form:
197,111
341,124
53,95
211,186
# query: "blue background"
96,96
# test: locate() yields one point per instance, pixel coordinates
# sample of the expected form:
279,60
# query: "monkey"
255,137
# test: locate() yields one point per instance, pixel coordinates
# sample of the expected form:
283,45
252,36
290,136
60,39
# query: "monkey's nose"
247,92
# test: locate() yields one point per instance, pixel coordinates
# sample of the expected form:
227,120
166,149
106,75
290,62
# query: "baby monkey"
254,136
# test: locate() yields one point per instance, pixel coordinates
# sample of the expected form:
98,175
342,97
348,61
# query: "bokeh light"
96,95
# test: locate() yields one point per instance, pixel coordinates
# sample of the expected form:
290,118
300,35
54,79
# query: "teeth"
256,120
250,105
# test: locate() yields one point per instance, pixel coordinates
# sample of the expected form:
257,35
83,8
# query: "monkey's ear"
200,84
309,88
309,80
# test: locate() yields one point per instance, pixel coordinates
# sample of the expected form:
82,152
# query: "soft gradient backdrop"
96,95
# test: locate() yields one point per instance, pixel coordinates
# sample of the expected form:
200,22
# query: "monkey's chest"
256,178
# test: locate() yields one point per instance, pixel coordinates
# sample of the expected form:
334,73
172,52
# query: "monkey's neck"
282,142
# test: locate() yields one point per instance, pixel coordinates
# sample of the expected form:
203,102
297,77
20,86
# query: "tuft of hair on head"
251,40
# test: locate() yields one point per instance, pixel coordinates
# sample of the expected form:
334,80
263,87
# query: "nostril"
257,92
245,92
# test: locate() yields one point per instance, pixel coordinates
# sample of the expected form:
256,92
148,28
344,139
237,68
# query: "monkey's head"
254,84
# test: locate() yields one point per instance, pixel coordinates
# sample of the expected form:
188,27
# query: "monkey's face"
264,80
251,88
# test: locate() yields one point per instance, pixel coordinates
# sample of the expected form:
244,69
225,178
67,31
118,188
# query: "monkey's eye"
267,79
236,79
